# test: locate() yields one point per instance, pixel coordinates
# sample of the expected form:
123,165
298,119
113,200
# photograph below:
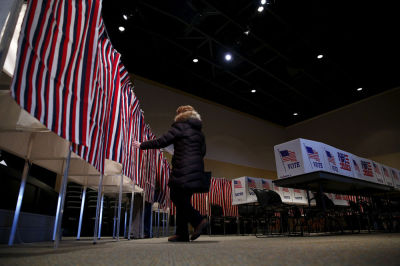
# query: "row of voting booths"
301,156
344,186
25,137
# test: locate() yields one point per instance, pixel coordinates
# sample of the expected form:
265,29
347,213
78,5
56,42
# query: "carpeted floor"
361,249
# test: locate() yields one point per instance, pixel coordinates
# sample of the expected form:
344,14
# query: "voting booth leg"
19,203
96,221
125,222
168,220
78,236
101,217
142,220
158,221
131,212
119,207
151,223
115,217
61,201
24,177
163,225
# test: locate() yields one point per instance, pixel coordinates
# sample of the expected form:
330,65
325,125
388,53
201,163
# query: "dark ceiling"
278,58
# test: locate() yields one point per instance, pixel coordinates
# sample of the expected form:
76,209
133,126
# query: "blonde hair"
186,111
184,108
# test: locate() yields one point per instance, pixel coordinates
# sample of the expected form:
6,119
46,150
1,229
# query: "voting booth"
302,156
242,191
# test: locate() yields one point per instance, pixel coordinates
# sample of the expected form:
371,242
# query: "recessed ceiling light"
320,56
260,9
3,163
228,57
121,29
359,89
295,114
247,32
125,17
253,91
195,60
263,2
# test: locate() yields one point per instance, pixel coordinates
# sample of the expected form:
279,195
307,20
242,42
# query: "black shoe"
176,238
199,229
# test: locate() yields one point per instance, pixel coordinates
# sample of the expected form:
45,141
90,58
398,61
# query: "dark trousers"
185,213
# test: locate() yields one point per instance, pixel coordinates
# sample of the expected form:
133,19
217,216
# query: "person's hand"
136,144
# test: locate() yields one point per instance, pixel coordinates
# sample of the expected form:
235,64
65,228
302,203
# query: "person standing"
187,169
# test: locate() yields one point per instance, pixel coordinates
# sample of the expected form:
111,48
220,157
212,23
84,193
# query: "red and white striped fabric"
229,209
104,133
199,202
216,193
54,75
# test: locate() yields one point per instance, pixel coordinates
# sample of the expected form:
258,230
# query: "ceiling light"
320,56
247,32
121,29
3,163
260,9
263,2
125,17
295,114
253,91
195,60
359,89
228,57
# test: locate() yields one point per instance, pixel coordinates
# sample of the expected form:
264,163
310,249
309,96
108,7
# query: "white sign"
285,194
356,164
377,168
387,176
396,178
239,195
299,156
367,170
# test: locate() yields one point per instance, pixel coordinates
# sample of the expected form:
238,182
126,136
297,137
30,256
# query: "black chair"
217,223
271,213
325,211
247,214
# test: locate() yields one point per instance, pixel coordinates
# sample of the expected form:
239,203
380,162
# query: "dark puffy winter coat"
189,150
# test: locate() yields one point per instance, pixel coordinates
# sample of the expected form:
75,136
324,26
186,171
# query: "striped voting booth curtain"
216,195
72,80
55,68
199,202
229,209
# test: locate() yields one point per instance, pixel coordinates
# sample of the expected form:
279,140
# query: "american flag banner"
216,193
356,166
55,65
331,159
366,167
229,209
385,172
394,174
199,202
251,182
288,156
265,185
237,184
312,154
344,161
376,168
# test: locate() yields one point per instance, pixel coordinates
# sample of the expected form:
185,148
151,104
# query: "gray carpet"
361,249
